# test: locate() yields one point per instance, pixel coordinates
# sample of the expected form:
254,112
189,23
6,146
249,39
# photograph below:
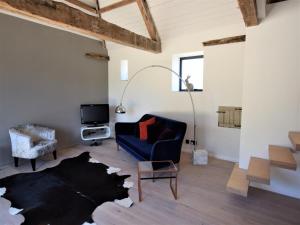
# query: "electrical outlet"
193,142
187,141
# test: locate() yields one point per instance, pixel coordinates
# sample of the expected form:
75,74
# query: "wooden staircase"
259,169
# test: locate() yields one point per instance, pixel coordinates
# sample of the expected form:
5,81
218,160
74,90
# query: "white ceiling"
173,17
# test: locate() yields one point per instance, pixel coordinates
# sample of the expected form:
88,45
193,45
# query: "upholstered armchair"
32,141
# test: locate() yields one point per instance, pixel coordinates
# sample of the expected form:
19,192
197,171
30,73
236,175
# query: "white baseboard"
224,157
217,156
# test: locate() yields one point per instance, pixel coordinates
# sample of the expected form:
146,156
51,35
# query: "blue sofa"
127,137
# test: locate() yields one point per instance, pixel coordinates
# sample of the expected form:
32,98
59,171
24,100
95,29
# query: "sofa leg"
118,147
33,164
54,154
16,159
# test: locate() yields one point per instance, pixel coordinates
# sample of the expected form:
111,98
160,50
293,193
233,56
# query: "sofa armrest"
125,128
166,150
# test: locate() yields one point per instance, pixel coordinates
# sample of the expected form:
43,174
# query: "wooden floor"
202,196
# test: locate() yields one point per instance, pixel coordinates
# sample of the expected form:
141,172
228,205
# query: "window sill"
196,90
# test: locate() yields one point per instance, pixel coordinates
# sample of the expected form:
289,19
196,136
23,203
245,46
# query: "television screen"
94,114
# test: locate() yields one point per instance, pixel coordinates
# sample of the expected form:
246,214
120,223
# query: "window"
191,66
124,70
229,117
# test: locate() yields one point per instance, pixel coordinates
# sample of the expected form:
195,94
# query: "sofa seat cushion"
141,147
41,148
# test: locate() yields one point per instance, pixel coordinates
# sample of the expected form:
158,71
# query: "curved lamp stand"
120,109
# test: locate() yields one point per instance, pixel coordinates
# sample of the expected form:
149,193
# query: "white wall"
151,91
271,90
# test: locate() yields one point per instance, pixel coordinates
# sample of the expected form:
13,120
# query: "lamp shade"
120,109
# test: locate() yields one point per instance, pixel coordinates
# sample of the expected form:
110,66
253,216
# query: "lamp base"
200,157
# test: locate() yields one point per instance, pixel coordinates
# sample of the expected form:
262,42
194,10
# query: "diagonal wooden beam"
98,8
224,41
145,11
249,12
62,16
116,5
82,5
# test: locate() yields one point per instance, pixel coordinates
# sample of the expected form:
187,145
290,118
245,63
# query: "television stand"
95,143
95,133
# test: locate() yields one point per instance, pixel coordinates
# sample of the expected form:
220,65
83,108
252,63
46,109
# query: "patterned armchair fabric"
32,141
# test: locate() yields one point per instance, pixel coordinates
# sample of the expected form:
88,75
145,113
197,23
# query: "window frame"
180,70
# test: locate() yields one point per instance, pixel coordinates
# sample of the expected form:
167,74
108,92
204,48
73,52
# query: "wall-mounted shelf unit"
229,116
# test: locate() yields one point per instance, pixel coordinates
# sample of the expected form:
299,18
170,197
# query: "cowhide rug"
66,194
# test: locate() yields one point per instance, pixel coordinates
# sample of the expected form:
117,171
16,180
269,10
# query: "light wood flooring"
202,196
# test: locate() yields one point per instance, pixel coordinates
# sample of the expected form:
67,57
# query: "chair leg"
33,164
54,154
16,159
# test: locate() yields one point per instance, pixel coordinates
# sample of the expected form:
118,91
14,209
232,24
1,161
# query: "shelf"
95,133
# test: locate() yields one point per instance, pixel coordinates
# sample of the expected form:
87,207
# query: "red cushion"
143,128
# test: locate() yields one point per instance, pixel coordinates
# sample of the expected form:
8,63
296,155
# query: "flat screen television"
94,114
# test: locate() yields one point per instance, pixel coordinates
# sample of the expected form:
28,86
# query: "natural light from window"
193,67
188,64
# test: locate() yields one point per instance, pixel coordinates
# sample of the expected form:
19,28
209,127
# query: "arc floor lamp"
120,109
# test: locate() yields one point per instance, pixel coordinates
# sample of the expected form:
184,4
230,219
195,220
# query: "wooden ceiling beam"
98,8
274,1
64,17
82,5
224,41
145,11
97,56
249,12
116,5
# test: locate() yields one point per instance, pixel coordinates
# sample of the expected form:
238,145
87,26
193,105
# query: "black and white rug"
66,194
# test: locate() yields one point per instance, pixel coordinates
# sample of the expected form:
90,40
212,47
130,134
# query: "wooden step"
282,157
238,183
294,136
259,170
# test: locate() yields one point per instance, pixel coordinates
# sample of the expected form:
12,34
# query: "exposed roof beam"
145,11
227,40
274,1
82,5
62,16
97,56
249,12
261,7
116,5
98,8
